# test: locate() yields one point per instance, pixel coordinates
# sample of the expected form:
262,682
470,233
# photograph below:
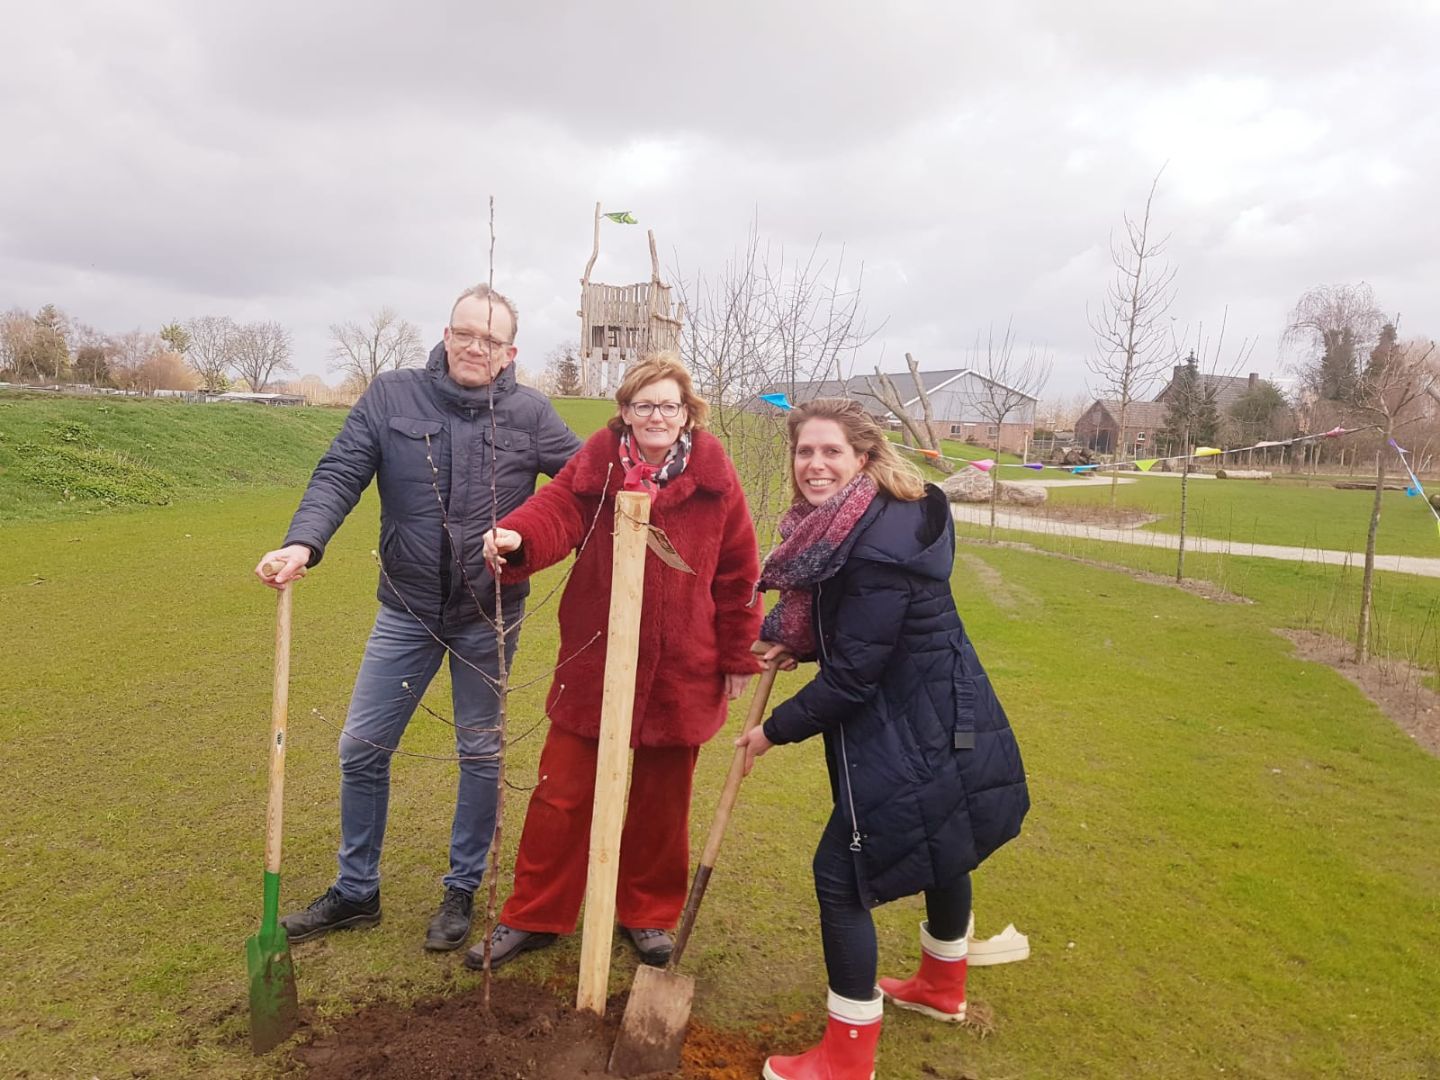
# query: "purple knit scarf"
815,542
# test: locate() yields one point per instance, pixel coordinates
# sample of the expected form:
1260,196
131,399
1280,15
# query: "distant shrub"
72,432
78,471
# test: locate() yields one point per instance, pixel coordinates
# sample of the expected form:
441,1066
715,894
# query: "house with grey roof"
959,401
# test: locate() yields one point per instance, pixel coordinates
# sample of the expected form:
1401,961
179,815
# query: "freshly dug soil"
527,1034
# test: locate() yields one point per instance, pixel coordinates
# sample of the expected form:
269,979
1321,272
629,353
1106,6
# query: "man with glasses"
452,447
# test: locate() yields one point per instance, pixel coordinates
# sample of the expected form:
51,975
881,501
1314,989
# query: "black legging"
846,928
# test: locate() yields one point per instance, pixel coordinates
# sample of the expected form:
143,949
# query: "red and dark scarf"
640,475
815,542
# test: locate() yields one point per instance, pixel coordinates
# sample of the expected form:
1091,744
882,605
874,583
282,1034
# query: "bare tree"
361,351
761,324
1335,325
1009,386
17,334
127,355
883,389
211,351
1390,393
261,349
1132,335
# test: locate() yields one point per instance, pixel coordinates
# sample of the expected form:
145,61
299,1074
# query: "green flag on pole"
622,217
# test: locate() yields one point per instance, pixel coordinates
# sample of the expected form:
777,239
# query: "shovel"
658,1010
274,1013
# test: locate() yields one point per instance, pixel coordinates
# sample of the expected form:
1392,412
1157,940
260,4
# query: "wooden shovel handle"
758,704
279,713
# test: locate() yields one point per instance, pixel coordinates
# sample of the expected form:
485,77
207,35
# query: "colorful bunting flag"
1412,491
1207,451
933,455
1334,432
984,464
622,217
1144,464
780,401
1033,465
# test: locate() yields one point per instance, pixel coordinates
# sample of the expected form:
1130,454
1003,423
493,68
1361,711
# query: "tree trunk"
1367,583
1119,452
1184,502
994,487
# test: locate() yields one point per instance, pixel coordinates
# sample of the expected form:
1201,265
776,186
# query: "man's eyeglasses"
646,409
465,338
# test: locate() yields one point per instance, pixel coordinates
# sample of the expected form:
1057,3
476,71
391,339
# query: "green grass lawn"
1303,595
1230,867
1272,512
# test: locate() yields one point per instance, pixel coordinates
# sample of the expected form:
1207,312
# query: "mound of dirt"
527,1034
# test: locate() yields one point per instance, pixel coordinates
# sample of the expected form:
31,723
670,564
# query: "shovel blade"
274,1010
653,1027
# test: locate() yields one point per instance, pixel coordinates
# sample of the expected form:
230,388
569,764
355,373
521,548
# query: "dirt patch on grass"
1007,596
1396,688
528,1033
1117,517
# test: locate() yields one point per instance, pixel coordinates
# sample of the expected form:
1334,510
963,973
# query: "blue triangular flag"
780,401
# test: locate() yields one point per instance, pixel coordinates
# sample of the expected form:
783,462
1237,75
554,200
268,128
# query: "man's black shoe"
451,924
331,912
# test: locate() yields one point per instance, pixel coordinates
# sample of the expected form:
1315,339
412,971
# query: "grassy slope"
1239,847
65,457
61,457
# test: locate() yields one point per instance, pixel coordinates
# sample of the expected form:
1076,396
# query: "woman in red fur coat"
694,655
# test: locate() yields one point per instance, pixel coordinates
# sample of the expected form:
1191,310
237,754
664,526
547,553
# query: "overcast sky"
310,162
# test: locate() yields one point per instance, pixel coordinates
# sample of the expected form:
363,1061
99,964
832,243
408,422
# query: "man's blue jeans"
402,651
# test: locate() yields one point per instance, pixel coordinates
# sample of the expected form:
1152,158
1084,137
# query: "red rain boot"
938,988
847,1052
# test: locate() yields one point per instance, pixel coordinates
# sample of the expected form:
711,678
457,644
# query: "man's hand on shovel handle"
278,568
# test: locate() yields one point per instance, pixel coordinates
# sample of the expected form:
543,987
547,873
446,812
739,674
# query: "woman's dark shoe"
654,946
506,943
451,924
331,912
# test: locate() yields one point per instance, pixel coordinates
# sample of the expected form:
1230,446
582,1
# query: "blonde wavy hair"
651,368
892,474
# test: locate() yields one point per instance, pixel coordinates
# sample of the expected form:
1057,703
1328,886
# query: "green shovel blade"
274,1011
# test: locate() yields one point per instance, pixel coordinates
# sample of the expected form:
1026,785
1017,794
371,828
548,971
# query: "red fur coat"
694,628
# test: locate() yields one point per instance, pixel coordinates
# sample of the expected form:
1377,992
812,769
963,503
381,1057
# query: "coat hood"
917,536
465,397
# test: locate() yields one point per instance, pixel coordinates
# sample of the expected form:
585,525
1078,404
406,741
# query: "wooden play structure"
621,323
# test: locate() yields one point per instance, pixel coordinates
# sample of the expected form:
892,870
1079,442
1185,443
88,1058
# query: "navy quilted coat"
403,422
923,764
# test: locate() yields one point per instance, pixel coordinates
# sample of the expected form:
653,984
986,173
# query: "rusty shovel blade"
652,1030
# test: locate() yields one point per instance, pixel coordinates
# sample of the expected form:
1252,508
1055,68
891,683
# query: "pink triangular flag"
984,464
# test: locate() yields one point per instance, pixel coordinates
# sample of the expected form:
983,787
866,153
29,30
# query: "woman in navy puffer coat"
924,768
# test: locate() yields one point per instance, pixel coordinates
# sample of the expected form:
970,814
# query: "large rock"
973,486
1020,494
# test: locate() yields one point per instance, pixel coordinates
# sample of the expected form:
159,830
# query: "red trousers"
550,867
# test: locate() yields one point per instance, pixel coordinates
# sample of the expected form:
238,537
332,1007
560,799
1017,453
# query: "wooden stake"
612,761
